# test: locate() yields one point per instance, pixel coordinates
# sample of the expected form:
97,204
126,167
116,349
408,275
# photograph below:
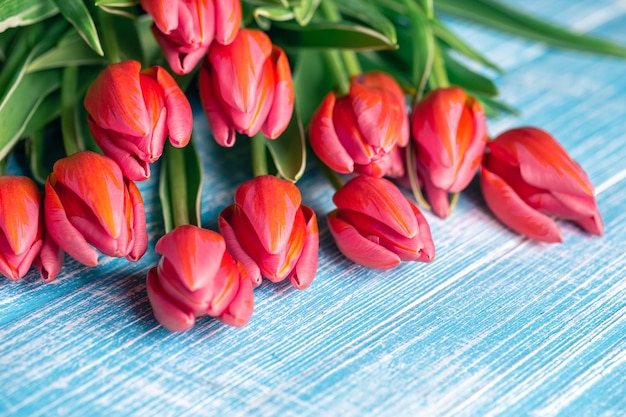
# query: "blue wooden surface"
495,325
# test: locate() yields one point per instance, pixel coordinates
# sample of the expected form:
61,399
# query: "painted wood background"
495,325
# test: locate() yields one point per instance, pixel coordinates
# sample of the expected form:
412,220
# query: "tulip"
527,175
361,127
390,165
131,113
196,277
185,29
246,86
271,233
376,226
89,202
450,133
23,241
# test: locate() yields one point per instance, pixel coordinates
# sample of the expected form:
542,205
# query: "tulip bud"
23,241
246,86
185,29
390,165
450,133
271,233
196,277
89,202
131,113
526,174
350,132
376,226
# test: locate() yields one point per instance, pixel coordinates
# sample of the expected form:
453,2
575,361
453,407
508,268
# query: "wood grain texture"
496,325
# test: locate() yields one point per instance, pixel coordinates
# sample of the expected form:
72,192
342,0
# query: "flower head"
527,176
132,112
270,232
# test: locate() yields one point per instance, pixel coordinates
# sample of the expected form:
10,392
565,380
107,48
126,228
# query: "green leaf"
288,151
21,103
116,3
312,81
70,51
460,75
25,12
508,19
264,15
77,14
35,150
180,186
151,50
454,42
305,11
330,35
126,31
48,110
370,16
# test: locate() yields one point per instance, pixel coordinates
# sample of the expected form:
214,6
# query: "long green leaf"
116,3
305,11
24,12
265,15
460,75
35,149
453,41
288,151
340,35
77,14
508,19
70,51
365,13
311,80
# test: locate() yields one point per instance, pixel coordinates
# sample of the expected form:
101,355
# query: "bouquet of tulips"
95,89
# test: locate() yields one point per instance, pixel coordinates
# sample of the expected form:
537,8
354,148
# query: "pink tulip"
376,226
185,29
89,202
131,113
271,233
450,133
350,132
390,165
198,277
527,175
23,241
246,86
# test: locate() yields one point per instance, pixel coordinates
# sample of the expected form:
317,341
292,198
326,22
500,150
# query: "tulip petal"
543,162
282,106
234,246
222,130
170,315
437,198
358,248
270,204
20,203
306,267
581,209
324,139
50,259
511,210
227,20
179,114
379,199
63,232
240,309
139,233
350,137
115,102
163,12
470,154
427,247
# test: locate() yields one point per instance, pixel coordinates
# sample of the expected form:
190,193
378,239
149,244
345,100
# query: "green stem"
339,62
335,64
439,75
352,62
177,179
259,155
109,39
412,172
3,165
333,178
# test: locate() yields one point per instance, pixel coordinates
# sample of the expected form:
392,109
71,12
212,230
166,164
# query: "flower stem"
109,38
259,155
439,75
339,62
177,181
68,111
335,64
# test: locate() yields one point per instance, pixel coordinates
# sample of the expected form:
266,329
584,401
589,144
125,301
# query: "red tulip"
23,241
361,127
89,202
376,226
185,29
390,165
527,175
246,86
270,232
131,113
450,132
197,277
